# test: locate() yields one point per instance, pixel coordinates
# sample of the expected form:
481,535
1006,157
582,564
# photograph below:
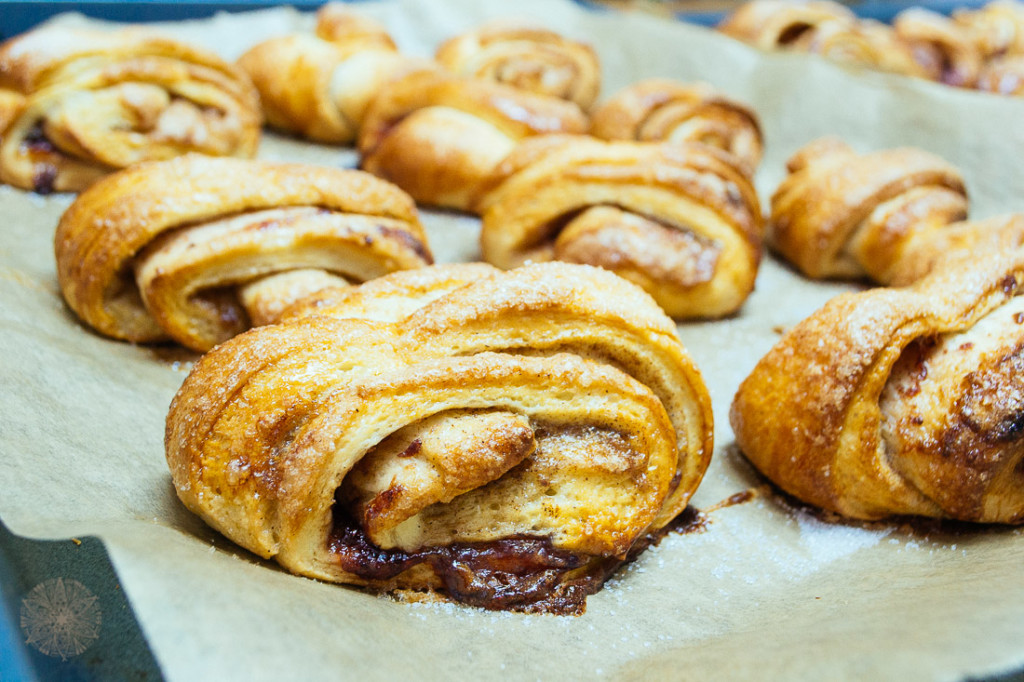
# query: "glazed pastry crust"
106,235
270,425
682,221
840,214
97,101
439,136
529,58
833,414
659,109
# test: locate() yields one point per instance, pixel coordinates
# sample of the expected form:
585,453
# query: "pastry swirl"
942,47
659,109
774,24
681,220
159,250
997,28
94,102
527,57
336,23
507,439
900,401
439,136
841,214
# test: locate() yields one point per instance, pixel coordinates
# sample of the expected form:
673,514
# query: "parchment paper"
765,592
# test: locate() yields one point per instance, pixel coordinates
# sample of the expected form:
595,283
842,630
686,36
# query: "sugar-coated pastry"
926,248
772,24
503,439
843,214
527,57
337,23
1004,76
439,136
997,28
96,101
862,43
900,401
660,109
160,250
681,220
942,47
321,89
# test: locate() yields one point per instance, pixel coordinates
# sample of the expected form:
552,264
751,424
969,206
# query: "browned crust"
336,22
941,46
808,416
104,229
770,24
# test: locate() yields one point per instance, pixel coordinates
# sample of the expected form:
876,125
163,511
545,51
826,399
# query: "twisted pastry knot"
506,438
1004,76
527,57
681,220
900,401
658,109
840,214
439,136
336,23
943,48
863,43
321,88
997,28
773,24
94,102
175,249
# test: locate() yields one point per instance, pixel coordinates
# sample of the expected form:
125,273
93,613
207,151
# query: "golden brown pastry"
439,136
900,401
527,57
997,28
321,89
942,47
97,101
335,22
773,24
159,250
926,248
507,441
843,214
1004,76
863,43
659,109
681,220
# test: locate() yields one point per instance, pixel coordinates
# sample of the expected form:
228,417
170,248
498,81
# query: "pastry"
336,23
773,24
320,89
899,401
862,43
1004,76
681,220
506,442
843,214
659,109
997,28
527,57
942,47
96,101
439,136
928,247
159,250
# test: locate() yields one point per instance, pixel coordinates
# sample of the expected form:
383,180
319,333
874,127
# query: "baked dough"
774,24
527,57
900,401
942,47
508,440
659,109
997,28
439,136
681,220
337,23
158,251
1004,76
843,214
96,101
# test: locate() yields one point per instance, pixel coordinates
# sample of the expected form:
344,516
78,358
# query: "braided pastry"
336,23
943,48
1004,76
508,440
527,57
439,136
900,401
157,251
659,109
840,214
681,220
97,101
321,89
773,24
